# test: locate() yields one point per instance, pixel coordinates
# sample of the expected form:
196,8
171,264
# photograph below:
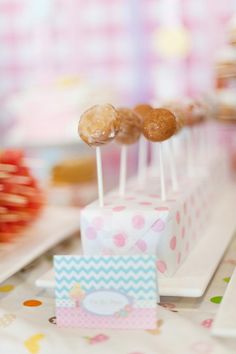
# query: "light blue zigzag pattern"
82,279
99,260
108,273
123,288
97,270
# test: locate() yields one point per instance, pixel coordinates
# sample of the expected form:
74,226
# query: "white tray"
193,276
224,324
54,225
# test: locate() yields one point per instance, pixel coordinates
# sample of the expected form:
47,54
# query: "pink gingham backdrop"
109,40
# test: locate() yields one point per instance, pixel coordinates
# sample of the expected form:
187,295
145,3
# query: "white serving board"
193,276
224,324
54,225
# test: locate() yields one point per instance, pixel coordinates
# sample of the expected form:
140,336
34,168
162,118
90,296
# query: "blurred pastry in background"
231,32
58,103
225,64
21,198
226,105
74,171
73,182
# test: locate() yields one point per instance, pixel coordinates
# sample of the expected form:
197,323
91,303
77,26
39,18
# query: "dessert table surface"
28,322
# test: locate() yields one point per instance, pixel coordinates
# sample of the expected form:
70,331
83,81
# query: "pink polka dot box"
141,223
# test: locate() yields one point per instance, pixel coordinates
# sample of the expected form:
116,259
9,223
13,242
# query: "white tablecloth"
27,320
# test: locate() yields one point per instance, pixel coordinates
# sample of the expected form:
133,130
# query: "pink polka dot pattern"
207,323
161,266
145,203
154,196
119,208
138,222
189,221
91,233
130,198
107,252
187,247
140,318
177,217
192,200
173,242
179,258
185,208
142,246
158,226
120,240
98,223
197,213
162,208
201,348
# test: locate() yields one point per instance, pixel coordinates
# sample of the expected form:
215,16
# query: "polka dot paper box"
141,223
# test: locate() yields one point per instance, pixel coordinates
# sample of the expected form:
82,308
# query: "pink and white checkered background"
110,40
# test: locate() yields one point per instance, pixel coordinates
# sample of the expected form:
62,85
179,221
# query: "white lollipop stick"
123,169
189,137
162,173
207,142
154,150
173,173
200,138
154,155
142,160
99,177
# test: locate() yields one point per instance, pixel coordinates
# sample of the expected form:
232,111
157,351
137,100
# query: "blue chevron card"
106,291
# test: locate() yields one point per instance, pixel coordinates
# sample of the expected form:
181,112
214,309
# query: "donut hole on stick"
159,126
98,126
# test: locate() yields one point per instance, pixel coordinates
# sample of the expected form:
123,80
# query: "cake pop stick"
194,115
100,177
173,172
98,126
154,149
206,112
142,160
123,170
189,140
143,110
129,133
159,126
162,173
177,110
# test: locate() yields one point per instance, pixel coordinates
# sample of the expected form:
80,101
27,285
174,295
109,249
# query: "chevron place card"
106,291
